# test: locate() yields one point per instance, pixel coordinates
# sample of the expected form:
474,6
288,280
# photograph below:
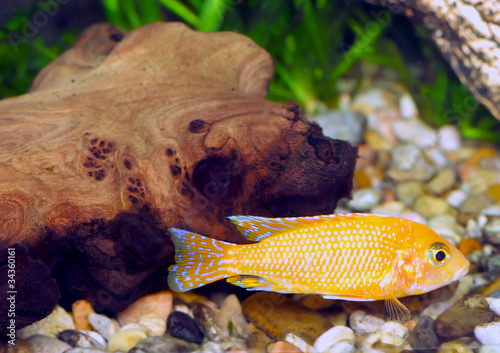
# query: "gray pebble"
208,323
161,344
482,179
474,203
444,180
408,163
451,323
342,125
437,308
83,339
231,316
408,191
83,350
473,230
46,344
492,231
447,226
430,206
492,264
423,337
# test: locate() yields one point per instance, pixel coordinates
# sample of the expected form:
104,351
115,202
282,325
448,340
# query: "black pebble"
183,326
71,337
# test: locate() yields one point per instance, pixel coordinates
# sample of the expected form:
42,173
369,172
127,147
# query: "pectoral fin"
396,309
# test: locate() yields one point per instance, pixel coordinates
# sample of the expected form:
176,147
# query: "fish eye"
439,254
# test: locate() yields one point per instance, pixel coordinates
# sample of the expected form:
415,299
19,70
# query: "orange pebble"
494,287
469,245
81,310
494,192
159,303
316,301
389,195
190,297
465,170
367,156
481,154
410,324
284,347
361,180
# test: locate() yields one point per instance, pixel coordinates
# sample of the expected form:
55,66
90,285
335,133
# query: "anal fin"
258,283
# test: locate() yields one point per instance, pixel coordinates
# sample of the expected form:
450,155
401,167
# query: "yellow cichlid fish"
358,257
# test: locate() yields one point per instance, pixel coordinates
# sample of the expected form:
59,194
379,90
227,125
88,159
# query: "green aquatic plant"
203,15
23,53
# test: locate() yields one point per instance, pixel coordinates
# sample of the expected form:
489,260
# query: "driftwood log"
127,134
468,35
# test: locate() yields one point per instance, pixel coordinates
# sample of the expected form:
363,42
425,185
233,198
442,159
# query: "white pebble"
416,132
211,347
300,343
59,320
99,341
125,340
488,333
365,199
436,309
340,347
183,309
473,230
489,349
449,138
414,216
437,156
456,197
361,323
155,323
334,335
104,325
482,220
491,211
139,327
407,107
495,306
394,333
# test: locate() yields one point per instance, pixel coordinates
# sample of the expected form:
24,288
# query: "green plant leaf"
211,14
182,11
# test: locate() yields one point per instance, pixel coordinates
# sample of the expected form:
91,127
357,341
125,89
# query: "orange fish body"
352,257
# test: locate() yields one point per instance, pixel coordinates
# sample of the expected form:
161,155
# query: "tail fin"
199,260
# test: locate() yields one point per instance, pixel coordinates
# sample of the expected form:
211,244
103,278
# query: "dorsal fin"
256,228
